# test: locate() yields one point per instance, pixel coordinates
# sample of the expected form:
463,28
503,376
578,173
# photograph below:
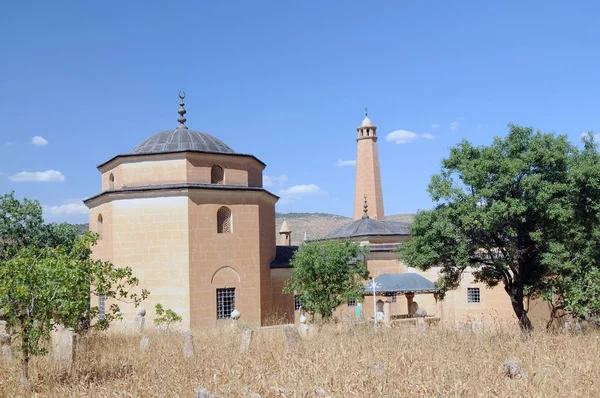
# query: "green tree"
327,275
46,278
574,261
21,224
500,209
165,317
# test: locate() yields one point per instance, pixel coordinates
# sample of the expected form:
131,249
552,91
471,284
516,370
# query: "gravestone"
420,314
188,344
303,327
292,338
5,346
204,393
144,343
235,317
321,392
358,311
513,370
65,346
387,314
477,326
303,330
140,319
246,340
377,369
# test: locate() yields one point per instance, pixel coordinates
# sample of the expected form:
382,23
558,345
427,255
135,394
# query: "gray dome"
181,139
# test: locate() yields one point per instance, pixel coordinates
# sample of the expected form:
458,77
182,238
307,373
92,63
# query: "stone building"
471,303
190,216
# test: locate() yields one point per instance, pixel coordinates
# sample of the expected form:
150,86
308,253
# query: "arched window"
100,226
224,220
111,181
216,175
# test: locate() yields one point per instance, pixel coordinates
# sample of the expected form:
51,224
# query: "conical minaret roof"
284,228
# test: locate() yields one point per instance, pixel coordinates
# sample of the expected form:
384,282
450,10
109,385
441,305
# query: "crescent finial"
182,94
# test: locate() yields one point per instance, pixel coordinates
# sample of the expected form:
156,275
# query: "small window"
216,175
101,307
297,302
394,298
225,302
224,220
111,181
100,221
473,295
351,303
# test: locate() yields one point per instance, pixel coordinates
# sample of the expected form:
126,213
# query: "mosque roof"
181,139
369,227
284,227
366,122
283,256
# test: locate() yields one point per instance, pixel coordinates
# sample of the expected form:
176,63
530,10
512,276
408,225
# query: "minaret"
368,177
285,235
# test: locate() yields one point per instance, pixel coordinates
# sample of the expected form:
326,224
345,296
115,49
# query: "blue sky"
286,81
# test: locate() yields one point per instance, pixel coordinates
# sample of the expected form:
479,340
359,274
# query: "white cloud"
69,209
343,163
297,191
405,137
38,176
73,211
454,126
272,181
8,143
39,141
435,126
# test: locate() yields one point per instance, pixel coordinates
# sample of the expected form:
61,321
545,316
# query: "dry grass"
441,363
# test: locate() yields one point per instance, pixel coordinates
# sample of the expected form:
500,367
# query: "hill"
316,225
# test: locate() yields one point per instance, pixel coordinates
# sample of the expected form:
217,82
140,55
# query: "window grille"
101,307
473,295
216,175
225,302
100,220
351,303
297,302
224,220
394,298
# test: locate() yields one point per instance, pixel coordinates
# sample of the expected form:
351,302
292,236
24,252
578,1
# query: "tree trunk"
516,299
24,381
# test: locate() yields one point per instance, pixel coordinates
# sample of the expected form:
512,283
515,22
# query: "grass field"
345,362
